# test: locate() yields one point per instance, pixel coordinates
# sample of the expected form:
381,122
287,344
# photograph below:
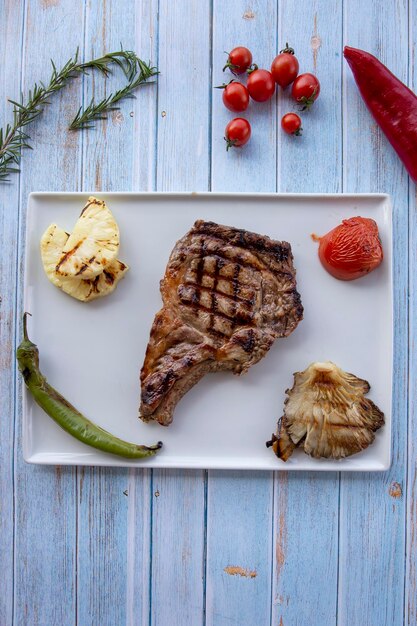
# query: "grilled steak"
227,295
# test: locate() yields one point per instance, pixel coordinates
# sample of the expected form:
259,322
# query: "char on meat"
227,295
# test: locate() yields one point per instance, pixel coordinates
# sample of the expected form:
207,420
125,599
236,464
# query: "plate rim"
77,459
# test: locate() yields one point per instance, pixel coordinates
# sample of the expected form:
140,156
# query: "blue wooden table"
109,547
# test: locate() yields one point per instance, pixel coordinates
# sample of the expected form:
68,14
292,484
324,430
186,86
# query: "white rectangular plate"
92,353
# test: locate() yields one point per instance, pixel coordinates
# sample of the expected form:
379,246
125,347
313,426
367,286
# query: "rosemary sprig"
13,139
95,111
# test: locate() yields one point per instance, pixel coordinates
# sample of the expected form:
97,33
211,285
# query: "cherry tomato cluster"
260,87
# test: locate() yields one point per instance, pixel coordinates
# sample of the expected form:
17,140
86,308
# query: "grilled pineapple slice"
92,245
53,241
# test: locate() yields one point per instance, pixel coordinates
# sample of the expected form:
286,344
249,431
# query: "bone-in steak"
227,295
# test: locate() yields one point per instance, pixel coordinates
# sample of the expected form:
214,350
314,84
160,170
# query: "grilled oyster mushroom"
326,414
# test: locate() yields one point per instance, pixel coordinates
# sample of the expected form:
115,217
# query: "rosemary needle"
14,138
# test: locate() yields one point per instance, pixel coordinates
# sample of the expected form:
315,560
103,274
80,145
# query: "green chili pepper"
64,414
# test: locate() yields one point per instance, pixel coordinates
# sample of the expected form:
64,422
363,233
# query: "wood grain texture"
239,547
305,506
45,510
182,163
372,517
255,26
145,109
183,95
101,546
102,528
309,501
111,145
177,574
239,506
10,50
136,547
313,162
410,493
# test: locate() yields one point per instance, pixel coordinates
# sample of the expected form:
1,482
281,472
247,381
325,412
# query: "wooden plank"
239,548
141,496
103,504
103,501
119,591
138,547
239,504
170,505
182,163
119,152
304,555
177,572
313,162
145,110
309,501
45,514
253,167
11,32
372,516
410,599
183,109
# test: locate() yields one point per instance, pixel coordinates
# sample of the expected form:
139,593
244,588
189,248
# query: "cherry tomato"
305,90
239,60
237,133
261,85
291,124
284,68
352,249
235,96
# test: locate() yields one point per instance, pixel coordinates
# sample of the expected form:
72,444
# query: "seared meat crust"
227,295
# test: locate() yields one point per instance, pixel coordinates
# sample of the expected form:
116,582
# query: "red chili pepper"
392,104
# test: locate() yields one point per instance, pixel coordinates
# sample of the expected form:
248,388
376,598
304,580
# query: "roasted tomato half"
352,249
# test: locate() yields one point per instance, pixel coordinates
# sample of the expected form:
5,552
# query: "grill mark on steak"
233,298
194,301
235,282
229,255
210,299
222,261
227,295
199,275
231,278
213,293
